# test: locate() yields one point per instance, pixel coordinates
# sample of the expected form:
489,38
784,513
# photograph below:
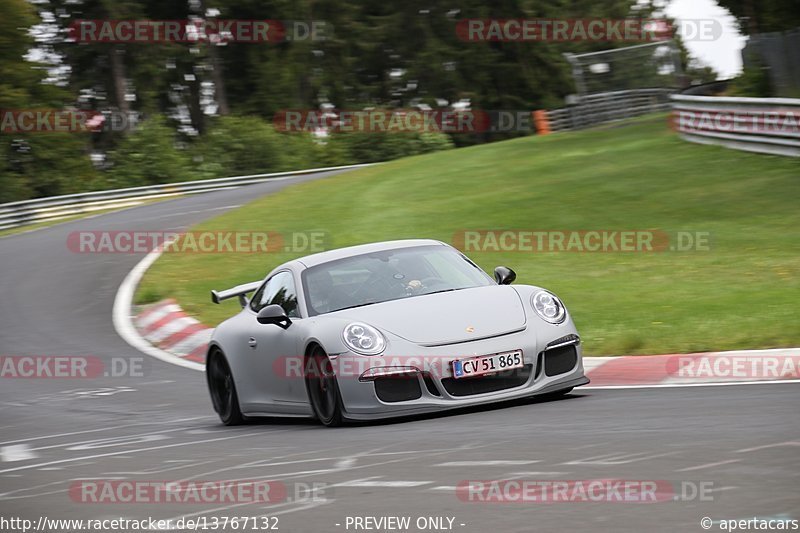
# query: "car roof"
341,253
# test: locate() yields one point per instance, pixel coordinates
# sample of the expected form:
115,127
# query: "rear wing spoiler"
240,291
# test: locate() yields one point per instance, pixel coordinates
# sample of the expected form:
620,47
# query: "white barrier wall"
765,125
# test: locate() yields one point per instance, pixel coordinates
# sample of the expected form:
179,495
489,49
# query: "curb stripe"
147,311
170,328
161,322
191,343
631,370
157,314
198,355
178,336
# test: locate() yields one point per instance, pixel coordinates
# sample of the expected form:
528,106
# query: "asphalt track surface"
738,443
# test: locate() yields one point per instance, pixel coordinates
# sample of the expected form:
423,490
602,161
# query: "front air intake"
397,389
559,361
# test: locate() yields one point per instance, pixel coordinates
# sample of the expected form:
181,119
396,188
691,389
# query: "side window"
278,290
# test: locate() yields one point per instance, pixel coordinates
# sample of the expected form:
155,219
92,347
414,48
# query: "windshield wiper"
443,290
381,301
357,305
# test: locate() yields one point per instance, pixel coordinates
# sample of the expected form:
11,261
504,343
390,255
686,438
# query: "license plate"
487,364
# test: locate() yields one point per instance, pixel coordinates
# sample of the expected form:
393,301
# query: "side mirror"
274,314
504,275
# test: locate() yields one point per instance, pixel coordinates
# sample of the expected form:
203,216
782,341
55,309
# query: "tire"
223,390
323,389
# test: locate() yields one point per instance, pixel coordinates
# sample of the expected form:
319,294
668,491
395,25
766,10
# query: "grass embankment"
742,293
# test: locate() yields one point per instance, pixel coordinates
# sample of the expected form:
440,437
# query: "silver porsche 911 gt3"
387,329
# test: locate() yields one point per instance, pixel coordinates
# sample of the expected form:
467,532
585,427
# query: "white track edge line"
685,385
121,315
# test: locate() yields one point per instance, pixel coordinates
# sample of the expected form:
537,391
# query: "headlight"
549,307
363,339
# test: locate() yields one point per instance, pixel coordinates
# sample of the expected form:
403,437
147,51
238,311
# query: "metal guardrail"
600,108
16,214
765,125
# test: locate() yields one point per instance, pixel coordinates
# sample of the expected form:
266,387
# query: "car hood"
448,317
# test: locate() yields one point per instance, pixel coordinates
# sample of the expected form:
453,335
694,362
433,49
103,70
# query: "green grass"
743,293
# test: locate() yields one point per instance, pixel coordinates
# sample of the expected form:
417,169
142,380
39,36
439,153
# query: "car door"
273,350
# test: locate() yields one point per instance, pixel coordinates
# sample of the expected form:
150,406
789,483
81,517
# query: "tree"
760,16
148,156
34,164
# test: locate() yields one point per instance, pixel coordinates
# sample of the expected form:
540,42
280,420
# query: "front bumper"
425,383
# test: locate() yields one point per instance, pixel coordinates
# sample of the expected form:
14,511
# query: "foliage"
218,98
34,164
248,145
148,156
753,81
759,16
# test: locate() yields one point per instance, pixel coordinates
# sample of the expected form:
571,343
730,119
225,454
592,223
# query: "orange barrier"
541,121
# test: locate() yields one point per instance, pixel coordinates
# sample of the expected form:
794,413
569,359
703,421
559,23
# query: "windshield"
388,275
